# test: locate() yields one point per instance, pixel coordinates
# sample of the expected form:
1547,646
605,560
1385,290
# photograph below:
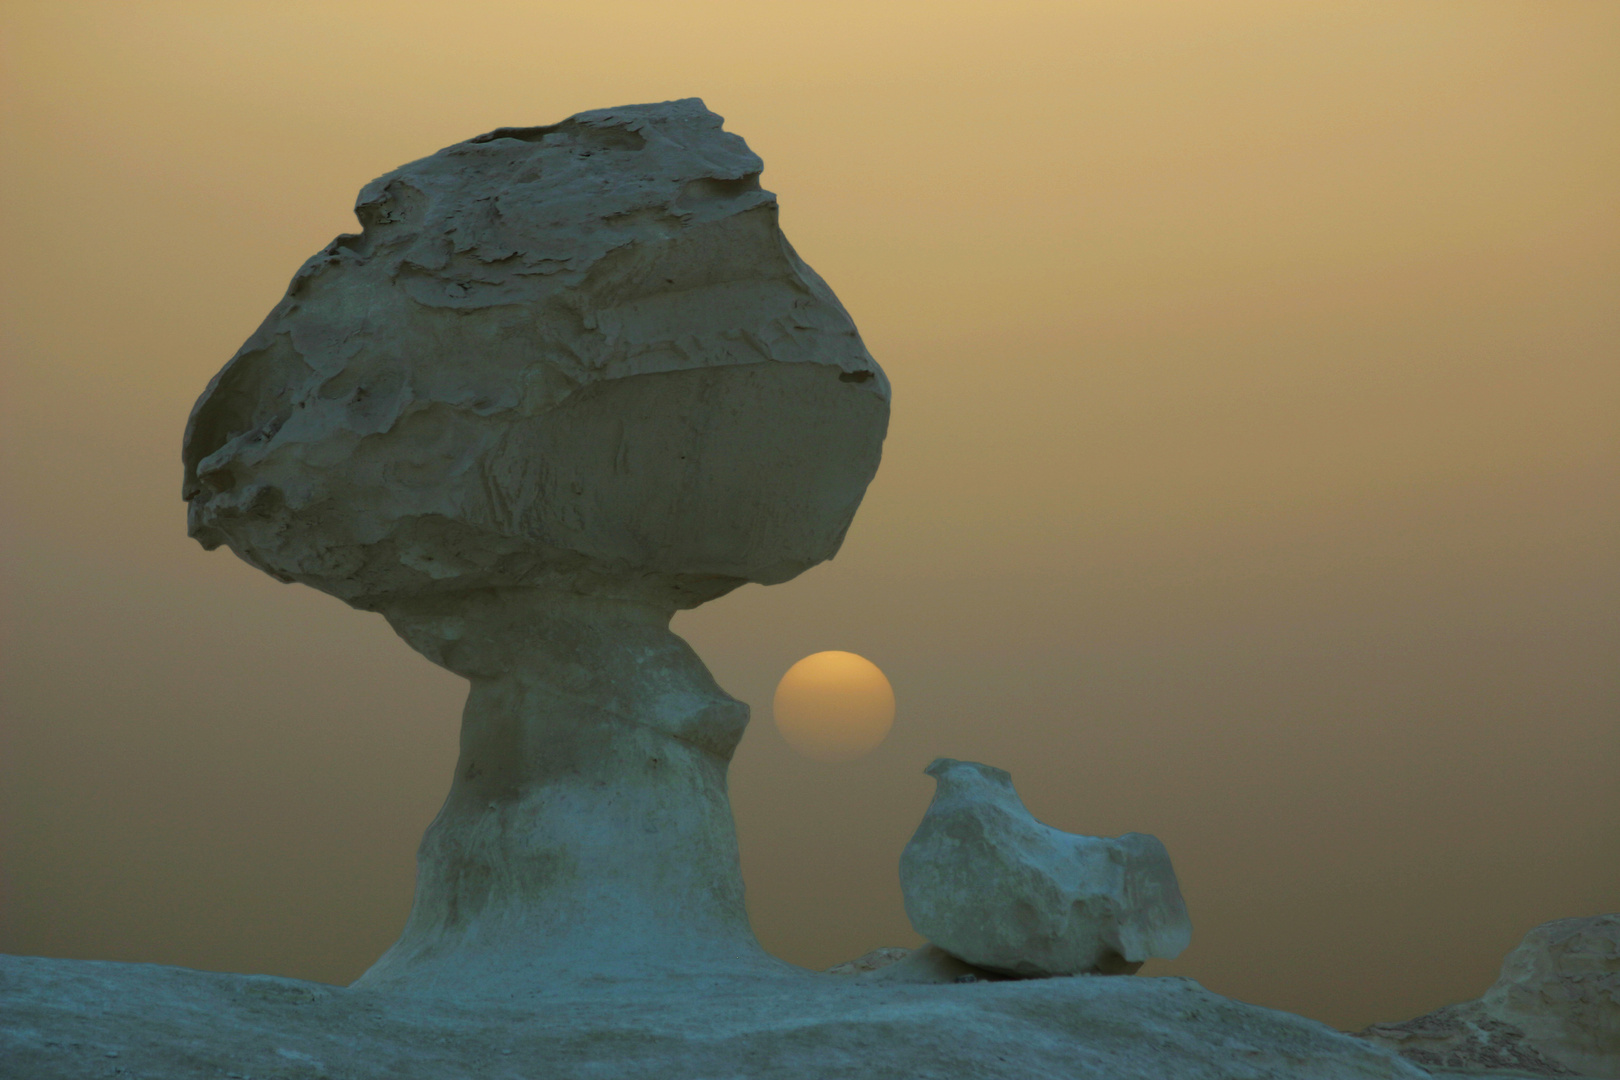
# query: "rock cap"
579,357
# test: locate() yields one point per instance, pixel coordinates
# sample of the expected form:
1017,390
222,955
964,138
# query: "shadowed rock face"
566,381
578,357
992,886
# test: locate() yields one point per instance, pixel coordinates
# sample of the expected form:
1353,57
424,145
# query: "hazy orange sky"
1252,478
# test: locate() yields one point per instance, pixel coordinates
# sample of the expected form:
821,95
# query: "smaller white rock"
989,884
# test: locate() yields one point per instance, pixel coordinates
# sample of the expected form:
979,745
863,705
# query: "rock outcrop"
565,381
1554,1011
989,884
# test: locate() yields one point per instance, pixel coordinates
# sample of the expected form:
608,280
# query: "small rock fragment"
869,961
565,381
986,882
929,964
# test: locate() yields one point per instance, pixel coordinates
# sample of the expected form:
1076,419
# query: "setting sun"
834,706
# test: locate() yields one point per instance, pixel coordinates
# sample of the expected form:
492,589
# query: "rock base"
68,1020
1555,1011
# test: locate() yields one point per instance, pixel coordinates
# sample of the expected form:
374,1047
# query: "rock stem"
587,828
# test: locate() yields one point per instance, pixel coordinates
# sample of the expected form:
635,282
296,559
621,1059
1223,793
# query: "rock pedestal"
587,828
566,381
1561,988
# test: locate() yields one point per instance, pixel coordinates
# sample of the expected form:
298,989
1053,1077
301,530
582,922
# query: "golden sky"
1252,478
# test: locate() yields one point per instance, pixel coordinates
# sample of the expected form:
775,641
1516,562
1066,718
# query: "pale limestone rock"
989,884
567,380
1561,987
1554,1011
488,420
60,1018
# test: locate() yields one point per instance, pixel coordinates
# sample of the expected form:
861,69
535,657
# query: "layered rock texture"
565,381
990,885
579,357
1555,1010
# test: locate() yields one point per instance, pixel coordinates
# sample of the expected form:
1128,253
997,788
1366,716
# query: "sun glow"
834,706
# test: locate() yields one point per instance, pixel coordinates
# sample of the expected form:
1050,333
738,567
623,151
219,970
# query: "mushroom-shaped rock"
564,382
989,884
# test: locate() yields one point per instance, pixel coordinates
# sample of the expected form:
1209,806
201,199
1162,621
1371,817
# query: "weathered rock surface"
870,961
579,357
1561,987
67,1020
1463,1038
1555,1010
566,381
989,884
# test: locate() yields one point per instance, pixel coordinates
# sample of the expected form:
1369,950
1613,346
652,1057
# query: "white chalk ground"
77,1019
